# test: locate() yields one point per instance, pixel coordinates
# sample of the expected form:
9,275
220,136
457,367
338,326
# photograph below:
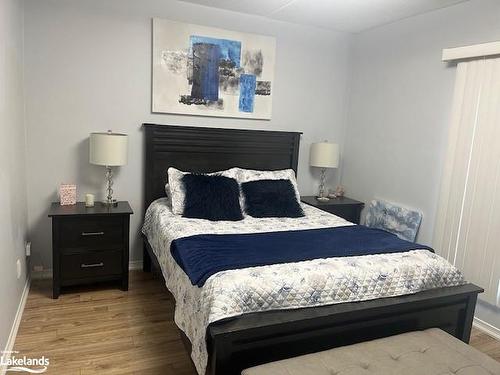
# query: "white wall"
13,212
88,68
399,108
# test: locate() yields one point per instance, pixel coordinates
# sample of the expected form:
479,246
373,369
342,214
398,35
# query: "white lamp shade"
109,149
324,155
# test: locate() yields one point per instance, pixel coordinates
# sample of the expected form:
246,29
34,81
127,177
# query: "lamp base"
323,199
111,203
322,183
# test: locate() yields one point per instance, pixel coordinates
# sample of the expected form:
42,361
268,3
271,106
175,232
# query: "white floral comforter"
281,286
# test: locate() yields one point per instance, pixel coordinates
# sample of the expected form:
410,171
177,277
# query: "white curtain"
468,219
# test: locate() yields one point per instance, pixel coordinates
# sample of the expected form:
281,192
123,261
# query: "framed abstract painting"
206,71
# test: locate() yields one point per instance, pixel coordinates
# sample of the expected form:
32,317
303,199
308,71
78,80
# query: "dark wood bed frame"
238,343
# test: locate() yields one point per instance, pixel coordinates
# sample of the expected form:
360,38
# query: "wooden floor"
107,331
104,331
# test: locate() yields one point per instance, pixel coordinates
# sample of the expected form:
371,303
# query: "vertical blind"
468,219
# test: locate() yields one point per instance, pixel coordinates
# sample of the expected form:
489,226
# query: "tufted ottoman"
430,352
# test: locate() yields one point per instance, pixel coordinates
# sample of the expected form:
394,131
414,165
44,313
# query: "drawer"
91,264
348,212
95,233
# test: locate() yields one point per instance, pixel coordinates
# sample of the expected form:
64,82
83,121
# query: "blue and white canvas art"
206,71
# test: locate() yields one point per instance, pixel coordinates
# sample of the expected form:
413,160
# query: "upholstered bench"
430,352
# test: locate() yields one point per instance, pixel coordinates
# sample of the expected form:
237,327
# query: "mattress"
309,283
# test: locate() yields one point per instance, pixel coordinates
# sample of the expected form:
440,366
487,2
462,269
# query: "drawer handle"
92,265
92,233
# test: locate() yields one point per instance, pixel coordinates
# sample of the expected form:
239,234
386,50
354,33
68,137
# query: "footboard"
258,338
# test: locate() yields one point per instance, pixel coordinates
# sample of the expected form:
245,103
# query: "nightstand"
89,244
344,207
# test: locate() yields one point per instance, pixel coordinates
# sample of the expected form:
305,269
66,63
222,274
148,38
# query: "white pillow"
176,187
169,196
247,175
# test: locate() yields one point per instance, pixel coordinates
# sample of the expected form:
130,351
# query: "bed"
242,341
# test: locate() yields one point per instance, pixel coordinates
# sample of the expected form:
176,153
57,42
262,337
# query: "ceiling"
341,15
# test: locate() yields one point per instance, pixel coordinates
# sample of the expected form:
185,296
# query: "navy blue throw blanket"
203,255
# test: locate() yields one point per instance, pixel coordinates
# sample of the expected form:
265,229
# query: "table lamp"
110,150
324,155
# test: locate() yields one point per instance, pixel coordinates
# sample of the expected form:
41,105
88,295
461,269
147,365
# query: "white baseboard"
15,326
47,274
41,275
135,265
487,328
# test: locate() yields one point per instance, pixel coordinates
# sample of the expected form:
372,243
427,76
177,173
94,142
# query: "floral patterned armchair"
401,221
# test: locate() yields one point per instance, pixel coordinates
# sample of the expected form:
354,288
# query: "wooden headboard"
203,150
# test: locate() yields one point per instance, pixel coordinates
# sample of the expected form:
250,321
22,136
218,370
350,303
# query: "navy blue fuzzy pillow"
271,198
211,197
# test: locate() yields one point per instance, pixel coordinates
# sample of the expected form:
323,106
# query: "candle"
89,200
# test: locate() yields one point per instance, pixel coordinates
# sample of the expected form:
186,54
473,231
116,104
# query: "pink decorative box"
67,194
